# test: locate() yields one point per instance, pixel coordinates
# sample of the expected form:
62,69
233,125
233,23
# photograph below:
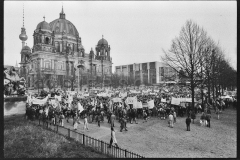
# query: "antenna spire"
23,15
44,17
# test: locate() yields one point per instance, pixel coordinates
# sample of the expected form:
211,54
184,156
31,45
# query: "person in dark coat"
188,121
208,116
98,119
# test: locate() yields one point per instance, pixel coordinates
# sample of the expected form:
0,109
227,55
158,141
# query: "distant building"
146,73
57,51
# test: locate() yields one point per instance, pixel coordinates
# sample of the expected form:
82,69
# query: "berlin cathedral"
58,58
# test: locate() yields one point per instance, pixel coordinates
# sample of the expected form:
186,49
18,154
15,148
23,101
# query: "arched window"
57,29
57,46
47,40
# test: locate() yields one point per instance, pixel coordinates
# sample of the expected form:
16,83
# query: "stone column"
148,70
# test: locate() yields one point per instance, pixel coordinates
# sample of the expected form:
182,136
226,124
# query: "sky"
137,31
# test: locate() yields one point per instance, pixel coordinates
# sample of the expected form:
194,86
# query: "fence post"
125,153
102,149
68,132
47,125
83,139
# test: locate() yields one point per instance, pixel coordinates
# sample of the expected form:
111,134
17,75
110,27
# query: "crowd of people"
61,106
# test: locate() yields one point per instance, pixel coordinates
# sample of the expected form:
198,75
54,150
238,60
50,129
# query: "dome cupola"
43,26
62,26
103,42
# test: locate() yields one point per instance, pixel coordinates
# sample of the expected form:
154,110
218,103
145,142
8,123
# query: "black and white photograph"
120,79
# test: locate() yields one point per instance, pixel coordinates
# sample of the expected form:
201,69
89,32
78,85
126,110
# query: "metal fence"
96,144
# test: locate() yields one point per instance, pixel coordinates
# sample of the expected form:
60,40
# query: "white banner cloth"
150,104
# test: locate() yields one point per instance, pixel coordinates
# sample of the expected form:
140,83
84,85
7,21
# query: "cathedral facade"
58,58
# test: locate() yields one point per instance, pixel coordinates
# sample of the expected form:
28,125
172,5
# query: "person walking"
202,119
112,119
123,124
170,117
61,118
98,119
217,112
113,139
188,121
85,123
208,116
144,116
75,122
174,117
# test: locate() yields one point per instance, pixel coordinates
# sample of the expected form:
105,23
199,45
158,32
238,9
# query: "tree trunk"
209,88
192,89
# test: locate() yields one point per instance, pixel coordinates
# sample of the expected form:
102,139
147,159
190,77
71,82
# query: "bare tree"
186,53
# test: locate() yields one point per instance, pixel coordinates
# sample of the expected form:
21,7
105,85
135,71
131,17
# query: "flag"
80,107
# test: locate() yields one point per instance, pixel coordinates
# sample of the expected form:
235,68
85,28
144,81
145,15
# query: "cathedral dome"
43,26
102,42
61,25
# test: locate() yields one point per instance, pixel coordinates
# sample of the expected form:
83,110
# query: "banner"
132,100
86,95
150,104
139,105
163,100
144,105
115,100
52,102
103,94
58,97
122,95
152,93
39,101
175,101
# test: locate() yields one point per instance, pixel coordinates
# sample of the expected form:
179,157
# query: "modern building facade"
58,58
146,73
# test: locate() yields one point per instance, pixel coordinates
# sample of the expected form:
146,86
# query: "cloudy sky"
136,31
